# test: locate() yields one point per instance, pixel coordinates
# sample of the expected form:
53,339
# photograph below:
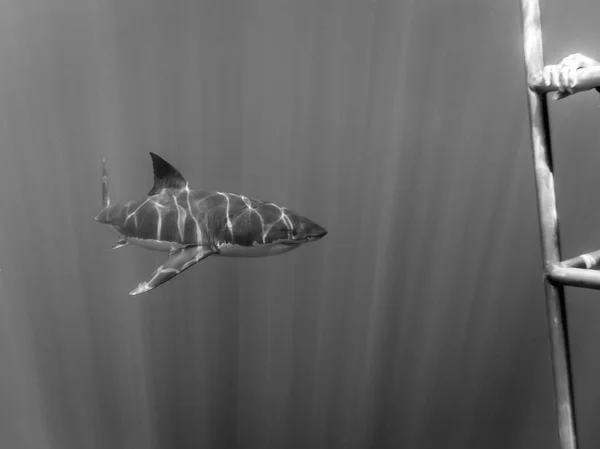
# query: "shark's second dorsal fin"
165,176
105,194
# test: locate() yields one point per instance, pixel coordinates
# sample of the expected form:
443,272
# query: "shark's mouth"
290,243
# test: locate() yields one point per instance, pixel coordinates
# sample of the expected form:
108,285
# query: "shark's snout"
306,230
318,232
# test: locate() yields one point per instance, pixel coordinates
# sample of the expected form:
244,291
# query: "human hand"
564,75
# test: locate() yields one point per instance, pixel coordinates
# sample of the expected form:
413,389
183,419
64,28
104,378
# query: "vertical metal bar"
542,157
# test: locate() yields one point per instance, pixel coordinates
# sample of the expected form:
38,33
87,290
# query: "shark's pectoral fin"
179,260
120,243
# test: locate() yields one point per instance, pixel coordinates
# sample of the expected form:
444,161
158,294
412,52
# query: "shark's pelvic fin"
165,176
120,243
179,261
105,194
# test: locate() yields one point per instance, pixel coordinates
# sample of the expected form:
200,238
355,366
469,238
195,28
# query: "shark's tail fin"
105,194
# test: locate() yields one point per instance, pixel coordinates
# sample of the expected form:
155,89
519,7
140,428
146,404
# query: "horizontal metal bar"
586,79
589,260
575,277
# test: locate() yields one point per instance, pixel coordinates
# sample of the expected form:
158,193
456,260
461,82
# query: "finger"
560,95
572,78
556,78
547,73
563,78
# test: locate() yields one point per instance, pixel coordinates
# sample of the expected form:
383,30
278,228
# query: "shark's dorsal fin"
165,176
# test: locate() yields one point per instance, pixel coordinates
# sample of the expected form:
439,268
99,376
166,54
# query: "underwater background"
400,126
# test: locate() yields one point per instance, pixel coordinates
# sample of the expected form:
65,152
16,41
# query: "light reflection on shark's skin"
192,225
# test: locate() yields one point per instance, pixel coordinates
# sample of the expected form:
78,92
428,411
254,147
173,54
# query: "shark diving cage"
578,271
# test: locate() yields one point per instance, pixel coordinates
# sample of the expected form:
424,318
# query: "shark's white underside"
225,249
271,249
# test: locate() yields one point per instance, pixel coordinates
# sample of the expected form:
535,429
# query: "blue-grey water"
400,126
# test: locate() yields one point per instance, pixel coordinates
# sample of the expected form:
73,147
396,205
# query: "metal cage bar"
589,260
575,277
544,181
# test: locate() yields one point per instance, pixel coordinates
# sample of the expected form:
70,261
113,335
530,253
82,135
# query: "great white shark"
191,224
